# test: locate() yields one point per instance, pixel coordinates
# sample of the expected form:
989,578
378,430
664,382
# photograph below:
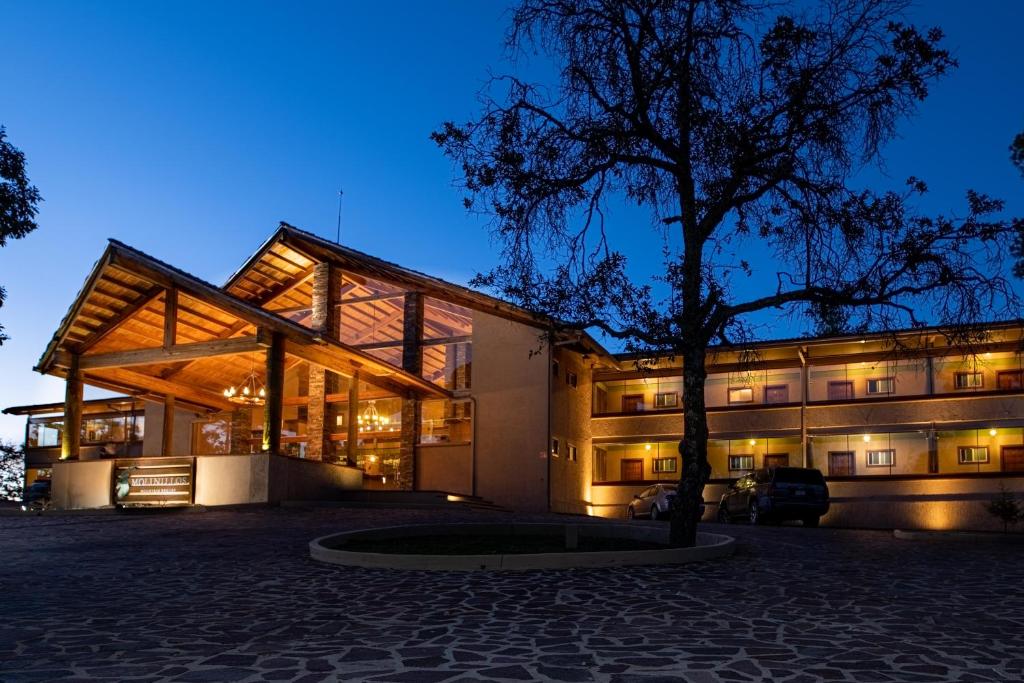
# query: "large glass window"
444,421
212,436
104,429
447,344
449,365
444,320
45,434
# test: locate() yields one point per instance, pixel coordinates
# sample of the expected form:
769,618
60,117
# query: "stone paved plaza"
233,596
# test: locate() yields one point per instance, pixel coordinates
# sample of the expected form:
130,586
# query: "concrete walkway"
234,596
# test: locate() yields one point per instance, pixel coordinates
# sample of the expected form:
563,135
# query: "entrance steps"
431,500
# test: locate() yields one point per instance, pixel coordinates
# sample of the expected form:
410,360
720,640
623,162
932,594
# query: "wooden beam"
166,276
162,387
344,361
178,352
352,439
300,279
127,312
228,334
170,319
167,435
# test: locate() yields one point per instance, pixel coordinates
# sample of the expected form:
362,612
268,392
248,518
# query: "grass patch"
479,544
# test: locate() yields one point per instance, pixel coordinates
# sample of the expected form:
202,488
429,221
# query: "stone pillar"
321,417
407,449
353,419
71,440
241,430
326,291
167,436
272,409
412,334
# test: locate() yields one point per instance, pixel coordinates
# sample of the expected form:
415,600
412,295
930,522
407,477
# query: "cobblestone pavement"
233,596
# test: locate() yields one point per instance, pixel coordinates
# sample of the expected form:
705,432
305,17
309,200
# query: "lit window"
741,395
666,399
882,385
662,465
884,458
740,463
969,455
968,380
554,447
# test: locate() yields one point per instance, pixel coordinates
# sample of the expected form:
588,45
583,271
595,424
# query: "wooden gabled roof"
278,275
116,326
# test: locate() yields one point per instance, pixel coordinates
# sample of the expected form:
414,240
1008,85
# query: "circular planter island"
516,546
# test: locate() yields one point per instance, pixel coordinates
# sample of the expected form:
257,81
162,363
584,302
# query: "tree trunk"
693,448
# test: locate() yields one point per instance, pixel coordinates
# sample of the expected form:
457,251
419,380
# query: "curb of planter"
960,536
710,546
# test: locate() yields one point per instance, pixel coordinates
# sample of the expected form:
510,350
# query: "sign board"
153,481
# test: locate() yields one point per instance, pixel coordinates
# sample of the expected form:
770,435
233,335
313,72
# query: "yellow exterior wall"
910,457
570,424
716,389
445,467
79,485
511,389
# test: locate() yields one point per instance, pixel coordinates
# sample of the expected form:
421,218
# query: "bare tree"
741,126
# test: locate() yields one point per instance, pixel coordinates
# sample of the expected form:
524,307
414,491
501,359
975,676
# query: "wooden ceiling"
119,329
371,312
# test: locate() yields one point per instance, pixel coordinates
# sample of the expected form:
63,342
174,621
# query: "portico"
257,382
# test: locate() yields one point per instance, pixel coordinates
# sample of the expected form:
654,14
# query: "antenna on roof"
340,194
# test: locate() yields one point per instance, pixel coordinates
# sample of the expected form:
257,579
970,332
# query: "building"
316,367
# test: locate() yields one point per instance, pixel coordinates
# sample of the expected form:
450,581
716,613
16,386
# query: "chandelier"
372,421
250,392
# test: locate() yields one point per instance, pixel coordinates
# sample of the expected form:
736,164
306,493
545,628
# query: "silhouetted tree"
19,200
12,470
1017,152
740,125
1005,508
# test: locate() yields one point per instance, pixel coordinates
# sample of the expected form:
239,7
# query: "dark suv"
776,494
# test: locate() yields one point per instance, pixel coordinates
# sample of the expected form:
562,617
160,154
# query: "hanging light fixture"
371,420
250,392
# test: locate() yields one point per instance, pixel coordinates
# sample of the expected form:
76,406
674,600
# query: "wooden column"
353,418
272,411
170,317
167,437
72,438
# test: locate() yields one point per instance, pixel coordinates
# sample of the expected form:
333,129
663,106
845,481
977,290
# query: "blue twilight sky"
190,129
